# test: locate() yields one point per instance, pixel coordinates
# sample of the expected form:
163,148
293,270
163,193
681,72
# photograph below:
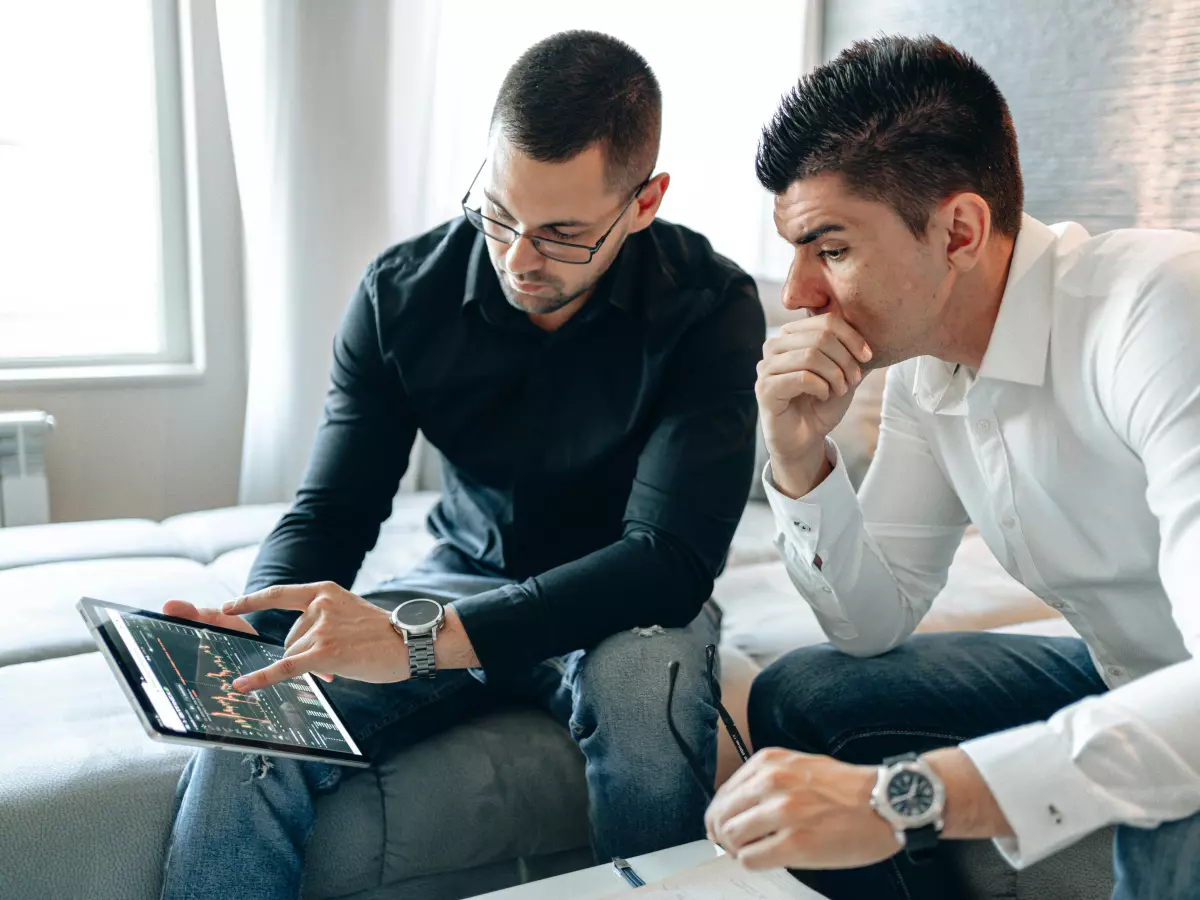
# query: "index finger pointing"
279,596
283,669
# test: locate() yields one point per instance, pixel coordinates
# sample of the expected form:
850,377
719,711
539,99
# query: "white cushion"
209,533
754,540
395,553
232,568
765,616
32,545
41,620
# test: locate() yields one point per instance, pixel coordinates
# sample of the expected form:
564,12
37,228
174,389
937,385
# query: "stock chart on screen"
195,669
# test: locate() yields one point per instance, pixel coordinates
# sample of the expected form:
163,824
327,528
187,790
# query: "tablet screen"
187,675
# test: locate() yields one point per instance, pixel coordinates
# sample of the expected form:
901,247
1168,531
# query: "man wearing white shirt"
1045,386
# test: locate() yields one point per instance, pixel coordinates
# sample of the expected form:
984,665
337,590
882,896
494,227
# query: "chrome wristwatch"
418,622
910,797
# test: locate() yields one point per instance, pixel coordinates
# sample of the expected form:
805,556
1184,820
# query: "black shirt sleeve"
693,479
359,456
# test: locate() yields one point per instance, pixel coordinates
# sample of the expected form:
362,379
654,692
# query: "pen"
625,870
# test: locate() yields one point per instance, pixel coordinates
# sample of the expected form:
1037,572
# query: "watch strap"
421,662
920,844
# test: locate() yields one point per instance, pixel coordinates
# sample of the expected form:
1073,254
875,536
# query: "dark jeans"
936,691
241,821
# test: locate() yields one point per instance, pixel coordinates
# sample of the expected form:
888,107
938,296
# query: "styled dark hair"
904,121
579,88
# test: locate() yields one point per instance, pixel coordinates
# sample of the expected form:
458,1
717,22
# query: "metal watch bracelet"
421,661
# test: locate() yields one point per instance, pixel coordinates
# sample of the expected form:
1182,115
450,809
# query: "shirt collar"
481,278
642,270
1020,340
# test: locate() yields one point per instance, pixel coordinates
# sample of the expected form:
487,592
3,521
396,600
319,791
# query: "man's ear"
645,207
965,223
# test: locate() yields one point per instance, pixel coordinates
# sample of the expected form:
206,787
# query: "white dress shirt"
1075,449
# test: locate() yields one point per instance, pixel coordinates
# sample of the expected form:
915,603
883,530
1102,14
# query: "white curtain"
308,104
359,123
723,67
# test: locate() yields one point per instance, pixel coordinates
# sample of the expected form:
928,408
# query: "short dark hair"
579,88
904,121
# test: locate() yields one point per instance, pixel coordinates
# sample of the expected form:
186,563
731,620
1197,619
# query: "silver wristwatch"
418,622
910,797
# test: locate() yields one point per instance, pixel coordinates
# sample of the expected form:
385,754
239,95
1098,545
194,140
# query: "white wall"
156,449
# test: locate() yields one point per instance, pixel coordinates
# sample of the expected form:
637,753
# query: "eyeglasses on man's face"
559,251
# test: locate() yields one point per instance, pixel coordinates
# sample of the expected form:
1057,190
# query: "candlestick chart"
196,668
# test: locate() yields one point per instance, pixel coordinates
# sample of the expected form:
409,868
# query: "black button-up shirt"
603,466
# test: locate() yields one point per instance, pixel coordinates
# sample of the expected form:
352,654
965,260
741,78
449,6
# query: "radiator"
24,498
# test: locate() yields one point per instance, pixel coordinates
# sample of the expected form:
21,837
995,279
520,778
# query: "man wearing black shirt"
587,374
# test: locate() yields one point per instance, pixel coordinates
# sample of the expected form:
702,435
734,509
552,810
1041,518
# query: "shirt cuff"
813,523
1050,804
501,625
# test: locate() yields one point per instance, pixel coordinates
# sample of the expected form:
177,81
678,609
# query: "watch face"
910,794
417,613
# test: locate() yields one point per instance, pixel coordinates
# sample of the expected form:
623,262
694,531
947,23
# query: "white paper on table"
724,879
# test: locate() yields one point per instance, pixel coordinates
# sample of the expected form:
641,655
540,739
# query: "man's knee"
220,773
622,689
807,698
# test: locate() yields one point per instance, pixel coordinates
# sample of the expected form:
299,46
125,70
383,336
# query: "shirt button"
1008,521
1057,604
827,589
983,424
802,526
1116,671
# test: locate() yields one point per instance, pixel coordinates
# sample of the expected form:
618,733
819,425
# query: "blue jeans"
935,691
244,820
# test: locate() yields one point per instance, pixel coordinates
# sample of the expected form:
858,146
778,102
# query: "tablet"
178,675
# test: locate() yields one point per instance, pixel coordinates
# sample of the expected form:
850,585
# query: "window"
93,242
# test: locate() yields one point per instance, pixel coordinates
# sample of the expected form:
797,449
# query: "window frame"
180,314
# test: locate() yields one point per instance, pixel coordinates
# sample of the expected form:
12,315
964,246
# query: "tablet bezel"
129,676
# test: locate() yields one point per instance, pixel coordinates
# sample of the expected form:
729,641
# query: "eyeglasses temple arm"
710,653
693,762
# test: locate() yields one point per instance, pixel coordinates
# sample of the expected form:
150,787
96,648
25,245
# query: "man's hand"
804,812
337,633
806,380
181,609
812,812
342,634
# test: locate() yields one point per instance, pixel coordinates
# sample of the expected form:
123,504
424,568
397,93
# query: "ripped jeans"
244,820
